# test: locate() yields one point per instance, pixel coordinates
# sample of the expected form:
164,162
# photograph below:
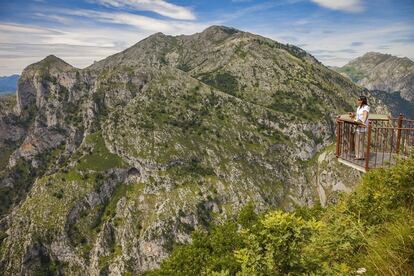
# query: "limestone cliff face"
47,95
34,84
122,160
11,131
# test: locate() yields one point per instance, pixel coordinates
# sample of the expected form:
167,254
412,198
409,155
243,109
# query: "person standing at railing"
361,118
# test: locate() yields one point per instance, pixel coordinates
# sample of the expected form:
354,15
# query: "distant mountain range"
391,77
8,84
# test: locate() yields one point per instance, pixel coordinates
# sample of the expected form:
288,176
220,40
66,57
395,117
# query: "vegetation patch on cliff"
98,157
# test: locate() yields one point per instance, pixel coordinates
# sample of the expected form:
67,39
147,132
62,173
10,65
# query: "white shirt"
360,116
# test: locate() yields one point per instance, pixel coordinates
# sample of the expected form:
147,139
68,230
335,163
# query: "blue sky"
80,32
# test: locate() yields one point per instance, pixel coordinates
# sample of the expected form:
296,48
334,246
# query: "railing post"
400,119
338,139
368,146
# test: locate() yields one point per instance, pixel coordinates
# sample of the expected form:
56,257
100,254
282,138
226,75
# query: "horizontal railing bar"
396,128
371,120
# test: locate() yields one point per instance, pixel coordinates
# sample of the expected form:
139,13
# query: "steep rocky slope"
122,160
391,77
11,132
396,104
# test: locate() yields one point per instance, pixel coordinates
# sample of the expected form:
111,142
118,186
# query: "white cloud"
25,54
158,6
11,28
21,45
60,19
344,5
140,22
332,46
21,34
81,36
88,36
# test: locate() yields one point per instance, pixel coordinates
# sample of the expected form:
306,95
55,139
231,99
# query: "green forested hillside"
369,231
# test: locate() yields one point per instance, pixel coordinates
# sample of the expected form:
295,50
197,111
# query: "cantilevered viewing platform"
386,139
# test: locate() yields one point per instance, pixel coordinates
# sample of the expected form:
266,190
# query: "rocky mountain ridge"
122,160
385,74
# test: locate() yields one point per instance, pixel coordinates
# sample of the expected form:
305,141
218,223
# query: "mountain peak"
157,35
375,54
217,33
220,28
383,72
52,59
51,62
384,56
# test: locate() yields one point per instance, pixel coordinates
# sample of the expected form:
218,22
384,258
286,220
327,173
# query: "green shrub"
382,193
247,216
275,248
223,81
208,252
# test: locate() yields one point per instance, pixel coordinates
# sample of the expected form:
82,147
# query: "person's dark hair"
364,100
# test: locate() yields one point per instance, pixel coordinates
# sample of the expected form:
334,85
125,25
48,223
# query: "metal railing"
379,145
